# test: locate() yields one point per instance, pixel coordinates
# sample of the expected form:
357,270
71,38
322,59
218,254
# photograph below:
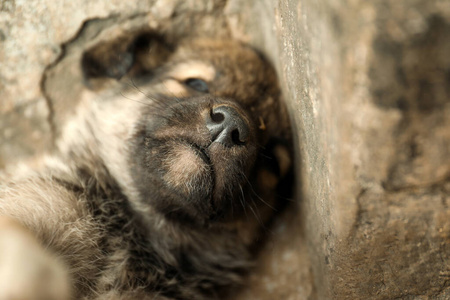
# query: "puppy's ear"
128,53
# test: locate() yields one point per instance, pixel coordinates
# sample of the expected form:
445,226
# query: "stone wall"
368,87
368,84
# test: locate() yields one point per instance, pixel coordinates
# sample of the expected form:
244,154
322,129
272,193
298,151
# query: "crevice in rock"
63,50
51,111
358,215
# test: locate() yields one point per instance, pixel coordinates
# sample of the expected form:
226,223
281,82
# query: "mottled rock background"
368,87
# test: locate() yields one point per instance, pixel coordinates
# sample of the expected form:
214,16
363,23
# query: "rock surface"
369,92
368,87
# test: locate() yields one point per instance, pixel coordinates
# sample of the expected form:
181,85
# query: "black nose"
227,126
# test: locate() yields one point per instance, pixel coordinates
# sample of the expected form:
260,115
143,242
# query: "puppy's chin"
189,171
176,178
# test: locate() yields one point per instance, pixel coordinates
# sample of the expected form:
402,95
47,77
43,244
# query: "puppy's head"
210,141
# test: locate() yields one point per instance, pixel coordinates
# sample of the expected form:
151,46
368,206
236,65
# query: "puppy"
162,181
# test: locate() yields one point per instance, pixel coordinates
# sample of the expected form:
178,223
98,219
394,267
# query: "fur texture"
139,201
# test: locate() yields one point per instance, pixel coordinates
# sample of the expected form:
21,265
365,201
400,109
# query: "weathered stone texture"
369,92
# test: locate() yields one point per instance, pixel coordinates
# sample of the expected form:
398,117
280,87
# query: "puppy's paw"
27,270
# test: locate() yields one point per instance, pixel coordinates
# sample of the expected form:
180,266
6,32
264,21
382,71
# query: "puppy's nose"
227,126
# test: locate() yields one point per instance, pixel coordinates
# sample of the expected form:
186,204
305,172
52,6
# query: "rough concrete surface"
40,80
368,88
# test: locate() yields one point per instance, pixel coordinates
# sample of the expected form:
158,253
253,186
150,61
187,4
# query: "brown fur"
127,208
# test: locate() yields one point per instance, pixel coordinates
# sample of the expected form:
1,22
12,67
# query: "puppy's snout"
227,126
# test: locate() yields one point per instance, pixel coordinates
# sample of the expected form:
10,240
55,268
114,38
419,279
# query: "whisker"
254,192
257,217
242,200
159,102
261,223
134,100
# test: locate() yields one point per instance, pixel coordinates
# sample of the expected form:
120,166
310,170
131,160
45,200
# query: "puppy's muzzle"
227,126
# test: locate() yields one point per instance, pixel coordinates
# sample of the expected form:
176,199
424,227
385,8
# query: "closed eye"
197,84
